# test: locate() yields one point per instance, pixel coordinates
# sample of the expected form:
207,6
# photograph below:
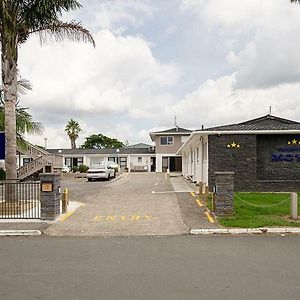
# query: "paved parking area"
136,204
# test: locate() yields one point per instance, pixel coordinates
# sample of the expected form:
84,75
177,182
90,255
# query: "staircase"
43,161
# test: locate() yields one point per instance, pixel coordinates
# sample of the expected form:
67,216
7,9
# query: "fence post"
50,196
294,205
65,201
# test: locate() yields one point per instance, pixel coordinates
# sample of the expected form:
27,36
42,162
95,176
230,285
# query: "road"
174,267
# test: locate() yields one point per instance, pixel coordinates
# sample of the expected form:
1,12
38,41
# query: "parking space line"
209,217
199,203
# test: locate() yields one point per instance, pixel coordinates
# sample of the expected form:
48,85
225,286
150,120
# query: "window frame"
169,140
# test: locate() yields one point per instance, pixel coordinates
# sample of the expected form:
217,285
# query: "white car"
66,169
100,171
114,165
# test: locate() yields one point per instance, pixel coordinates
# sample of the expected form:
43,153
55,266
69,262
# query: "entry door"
165,164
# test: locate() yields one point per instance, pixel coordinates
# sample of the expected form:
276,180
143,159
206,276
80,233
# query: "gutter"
206,133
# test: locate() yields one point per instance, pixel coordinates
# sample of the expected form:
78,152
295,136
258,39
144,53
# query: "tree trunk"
73,143
9,82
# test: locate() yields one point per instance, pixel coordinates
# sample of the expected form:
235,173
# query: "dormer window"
166,140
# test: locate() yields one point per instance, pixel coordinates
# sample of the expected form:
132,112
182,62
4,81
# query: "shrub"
2,174
83,168
74,169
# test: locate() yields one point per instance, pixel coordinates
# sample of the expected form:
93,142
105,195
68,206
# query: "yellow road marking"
113,218
66,216
199,203
69,214
209,217
193,194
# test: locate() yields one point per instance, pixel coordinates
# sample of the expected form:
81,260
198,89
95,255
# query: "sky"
207,62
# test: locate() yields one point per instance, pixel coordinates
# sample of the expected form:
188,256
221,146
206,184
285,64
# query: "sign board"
2,145
47,186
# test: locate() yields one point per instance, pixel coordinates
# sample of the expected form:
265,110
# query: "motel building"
167,143
264,154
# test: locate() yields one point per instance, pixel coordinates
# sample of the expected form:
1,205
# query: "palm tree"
72,129
19,19
24,120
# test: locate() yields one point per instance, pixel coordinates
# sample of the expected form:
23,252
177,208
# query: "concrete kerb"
20,232
235,231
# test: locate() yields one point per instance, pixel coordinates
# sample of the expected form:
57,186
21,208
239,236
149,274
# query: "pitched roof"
267,122
107,151
139,146
173,130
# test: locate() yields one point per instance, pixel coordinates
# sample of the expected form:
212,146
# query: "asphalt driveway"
136,204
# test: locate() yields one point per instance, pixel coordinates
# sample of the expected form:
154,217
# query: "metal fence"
20,200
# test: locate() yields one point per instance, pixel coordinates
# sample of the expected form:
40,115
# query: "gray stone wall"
224,193
50,200
241,160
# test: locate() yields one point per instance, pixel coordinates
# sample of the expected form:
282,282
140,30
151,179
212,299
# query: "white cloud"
120,77
120,73
115,15
216,102
267,32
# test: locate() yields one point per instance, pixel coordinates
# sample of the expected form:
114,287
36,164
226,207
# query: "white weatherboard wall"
95,159
195,159
133,160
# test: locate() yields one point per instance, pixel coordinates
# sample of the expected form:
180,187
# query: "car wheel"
90,179
108,177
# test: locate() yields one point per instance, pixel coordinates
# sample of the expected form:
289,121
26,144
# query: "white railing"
33,151
55,161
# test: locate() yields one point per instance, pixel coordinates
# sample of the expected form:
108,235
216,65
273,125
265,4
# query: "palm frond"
25,124
60,30
24,85
37,13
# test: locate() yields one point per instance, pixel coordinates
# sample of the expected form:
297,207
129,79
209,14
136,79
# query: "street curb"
20,232
234,231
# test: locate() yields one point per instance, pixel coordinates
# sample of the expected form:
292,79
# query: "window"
197,154
204,151
79,161
68,161
167,140
26,161
140,159
192,156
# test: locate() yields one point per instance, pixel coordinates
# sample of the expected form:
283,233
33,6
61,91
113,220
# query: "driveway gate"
20,200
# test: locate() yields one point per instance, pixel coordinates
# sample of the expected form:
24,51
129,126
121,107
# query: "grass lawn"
246,215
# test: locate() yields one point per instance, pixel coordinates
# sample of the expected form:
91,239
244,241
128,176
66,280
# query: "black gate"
20,200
